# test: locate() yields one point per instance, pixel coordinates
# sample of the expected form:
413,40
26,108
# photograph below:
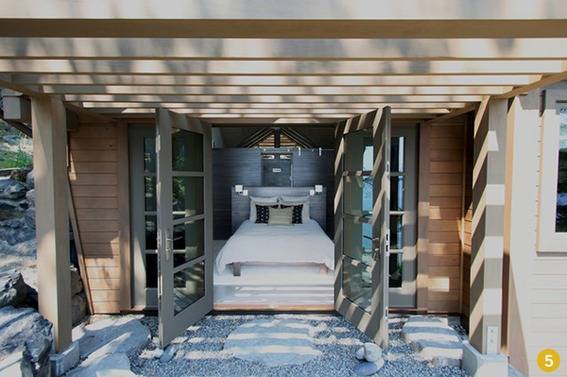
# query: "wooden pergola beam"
538,82
267,99
252,68
289,19
283,49
290,105
274,91
228,113
271,80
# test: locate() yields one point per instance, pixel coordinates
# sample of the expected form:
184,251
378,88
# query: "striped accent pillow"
262,214
280,216
297,215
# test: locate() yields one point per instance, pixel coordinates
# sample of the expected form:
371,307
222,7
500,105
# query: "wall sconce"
244,192
318,189
238,188
311,192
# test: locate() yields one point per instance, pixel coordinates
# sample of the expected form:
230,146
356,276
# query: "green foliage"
15,159
15,155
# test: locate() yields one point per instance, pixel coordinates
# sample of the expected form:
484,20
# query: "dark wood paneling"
231,166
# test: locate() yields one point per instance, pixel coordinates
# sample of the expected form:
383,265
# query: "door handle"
168,245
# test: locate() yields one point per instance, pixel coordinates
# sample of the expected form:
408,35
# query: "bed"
253,243
263,243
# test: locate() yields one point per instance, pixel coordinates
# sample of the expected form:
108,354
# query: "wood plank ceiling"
273,61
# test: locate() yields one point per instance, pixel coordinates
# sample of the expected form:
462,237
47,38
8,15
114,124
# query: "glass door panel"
183,222
403,198
361,283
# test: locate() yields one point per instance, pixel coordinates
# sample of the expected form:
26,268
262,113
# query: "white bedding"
263,243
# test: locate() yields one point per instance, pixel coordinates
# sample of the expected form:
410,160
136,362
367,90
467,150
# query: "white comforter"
263,243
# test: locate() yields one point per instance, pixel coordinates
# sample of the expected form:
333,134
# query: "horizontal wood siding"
94,185
445,215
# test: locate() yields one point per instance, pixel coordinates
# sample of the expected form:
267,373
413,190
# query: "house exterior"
478,85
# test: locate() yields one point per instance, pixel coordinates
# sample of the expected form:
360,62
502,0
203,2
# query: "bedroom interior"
262,266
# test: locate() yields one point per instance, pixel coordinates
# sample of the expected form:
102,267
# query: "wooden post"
482,356
52,216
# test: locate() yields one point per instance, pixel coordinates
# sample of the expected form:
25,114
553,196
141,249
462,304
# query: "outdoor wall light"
318,189
238,188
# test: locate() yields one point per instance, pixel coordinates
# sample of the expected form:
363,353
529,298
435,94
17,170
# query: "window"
552,230
561,198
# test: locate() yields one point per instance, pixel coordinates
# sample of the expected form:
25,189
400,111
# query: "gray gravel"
199,352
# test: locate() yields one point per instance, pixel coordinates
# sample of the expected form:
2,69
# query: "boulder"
29,217
25,337
9,210
12,189
19,174
30,180
367,368
30,196
119,334
16,232
360,353
372,352
15,292
115,365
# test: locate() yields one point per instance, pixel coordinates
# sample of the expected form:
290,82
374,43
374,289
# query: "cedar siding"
94,177
445,186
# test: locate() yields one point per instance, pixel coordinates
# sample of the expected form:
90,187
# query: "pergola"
264,61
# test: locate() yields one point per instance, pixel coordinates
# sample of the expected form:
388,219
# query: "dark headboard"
241,203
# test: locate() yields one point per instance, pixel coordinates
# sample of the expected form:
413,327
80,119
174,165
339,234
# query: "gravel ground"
199,352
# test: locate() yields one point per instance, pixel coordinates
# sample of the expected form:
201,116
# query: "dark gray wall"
231,167
240,166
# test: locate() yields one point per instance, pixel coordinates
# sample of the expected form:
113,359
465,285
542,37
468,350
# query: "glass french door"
362,214
184,226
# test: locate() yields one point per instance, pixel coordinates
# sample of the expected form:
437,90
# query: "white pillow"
290,200
260,200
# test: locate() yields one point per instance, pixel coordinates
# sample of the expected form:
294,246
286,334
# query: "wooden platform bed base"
237,268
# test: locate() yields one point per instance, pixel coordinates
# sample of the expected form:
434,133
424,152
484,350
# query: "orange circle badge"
548,360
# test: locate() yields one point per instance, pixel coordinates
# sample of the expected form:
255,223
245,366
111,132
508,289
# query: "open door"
184,218
362,222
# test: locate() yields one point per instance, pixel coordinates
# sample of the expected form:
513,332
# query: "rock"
360,353
76,282
26,337
372,352
116,365
120,334
16,365
367,368
433,340
29,217
12,189
11,139
14,291
9,210
30,196
152,354
168,354
16,231
78,308
30,179
19,175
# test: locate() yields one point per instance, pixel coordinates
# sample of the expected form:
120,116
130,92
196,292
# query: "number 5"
549,361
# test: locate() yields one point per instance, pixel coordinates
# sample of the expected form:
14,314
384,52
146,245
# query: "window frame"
548,240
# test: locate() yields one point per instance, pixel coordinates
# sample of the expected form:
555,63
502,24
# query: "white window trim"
548,239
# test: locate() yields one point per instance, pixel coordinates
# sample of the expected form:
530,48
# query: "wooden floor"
274,288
